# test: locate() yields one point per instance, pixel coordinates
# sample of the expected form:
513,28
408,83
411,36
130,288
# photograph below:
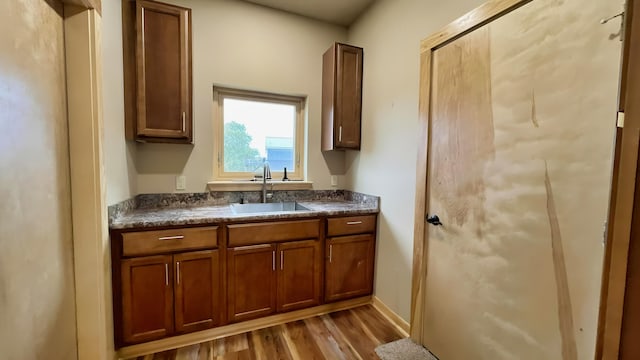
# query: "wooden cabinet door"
251,274
163,68
197,290
147,298
349,266
299,274
341,97
348,96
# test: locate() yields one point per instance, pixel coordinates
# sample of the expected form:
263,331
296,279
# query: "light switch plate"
334,180
181,182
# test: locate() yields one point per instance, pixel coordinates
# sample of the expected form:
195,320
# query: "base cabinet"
169,294
197,290
147,298
265,279
179,280
299,275
251,287
349,266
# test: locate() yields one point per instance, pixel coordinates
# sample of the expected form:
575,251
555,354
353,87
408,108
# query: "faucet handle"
267,171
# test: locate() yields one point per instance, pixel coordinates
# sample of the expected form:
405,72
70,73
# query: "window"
253,127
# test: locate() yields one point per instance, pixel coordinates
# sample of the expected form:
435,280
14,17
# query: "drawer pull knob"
354,222
177,237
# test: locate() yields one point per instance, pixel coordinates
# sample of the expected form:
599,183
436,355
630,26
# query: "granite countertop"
192,209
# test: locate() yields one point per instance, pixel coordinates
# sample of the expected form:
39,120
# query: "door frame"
91,254
479,17
615,330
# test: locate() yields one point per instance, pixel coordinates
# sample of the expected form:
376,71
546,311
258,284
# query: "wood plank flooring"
344,335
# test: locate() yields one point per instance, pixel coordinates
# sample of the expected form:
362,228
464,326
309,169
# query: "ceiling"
340,12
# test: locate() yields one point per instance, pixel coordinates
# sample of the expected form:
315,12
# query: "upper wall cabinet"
157,59
341,97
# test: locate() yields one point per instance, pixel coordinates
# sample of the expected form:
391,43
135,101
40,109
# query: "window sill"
257,185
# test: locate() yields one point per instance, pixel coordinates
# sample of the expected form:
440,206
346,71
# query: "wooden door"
251,274
520,116
163,60
147,298
299,274
197,290
348,96
349,266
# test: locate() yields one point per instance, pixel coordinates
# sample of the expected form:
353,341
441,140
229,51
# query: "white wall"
37,303
246,46
119,155
390,33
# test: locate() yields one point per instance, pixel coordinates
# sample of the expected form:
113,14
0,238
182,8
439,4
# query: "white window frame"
219,94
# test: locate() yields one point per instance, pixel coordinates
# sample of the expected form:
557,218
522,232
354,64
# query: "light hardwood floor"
348,334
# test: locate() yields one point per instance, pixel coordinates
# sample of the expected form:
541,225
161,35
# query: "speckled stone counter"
157,210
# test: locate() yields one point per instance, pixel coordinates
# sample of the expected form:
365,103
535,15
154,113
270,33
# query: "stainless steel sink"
266,207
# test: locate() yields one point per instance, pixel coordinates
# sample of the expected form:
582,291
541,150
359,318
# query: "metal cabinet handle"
142,32
177,237
330,252
184,121
340,134
273,260
281,260
354,222
178,272
166,274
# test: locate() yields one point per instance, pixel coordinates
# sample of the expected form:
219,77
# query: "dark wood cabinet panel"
197,290
341,97
170,281
147,298
349,266
152,242
348,96
251,282
161,295
299,274
157,54
351,225
266,232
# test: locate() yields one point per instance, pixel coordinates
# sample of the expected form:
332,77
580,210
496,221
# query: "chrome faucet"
266,175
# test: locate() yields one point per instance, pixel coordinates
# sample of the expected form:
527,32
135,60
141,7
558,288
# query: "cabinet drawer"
261,233
351,225
162,241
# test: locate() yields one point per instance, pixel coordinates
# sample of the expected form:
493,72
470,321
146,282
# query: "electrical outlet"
334,180
181,182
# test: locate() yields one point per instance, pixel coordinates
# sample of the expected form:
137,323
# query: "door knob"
434,220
